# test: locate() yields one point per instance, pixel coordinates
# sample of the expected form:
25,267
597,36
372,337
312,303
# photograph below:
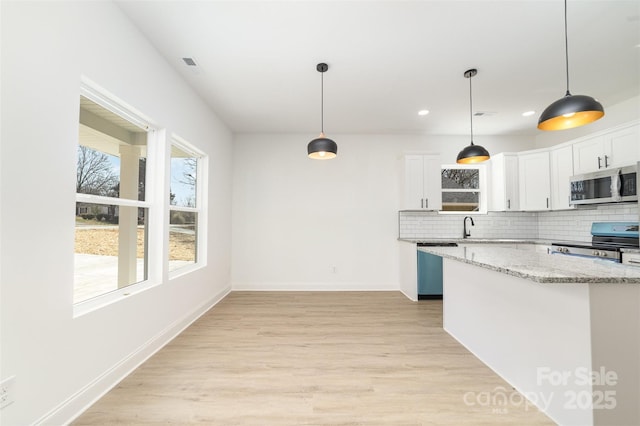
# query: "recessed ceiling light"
423,112
528,113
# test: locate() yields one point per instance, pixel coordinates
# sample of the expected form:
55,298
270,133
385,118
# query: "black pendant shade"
322,148
571,110
472,153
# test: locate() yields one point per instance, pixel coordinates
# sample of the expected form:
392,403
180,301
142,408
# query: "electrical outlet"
7,391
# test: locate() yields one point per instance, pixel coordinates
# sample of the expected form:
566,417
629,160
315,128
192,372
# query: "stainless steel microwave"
612,185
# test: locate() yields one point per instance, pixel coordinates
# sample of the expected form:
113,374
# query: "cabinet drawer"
631,259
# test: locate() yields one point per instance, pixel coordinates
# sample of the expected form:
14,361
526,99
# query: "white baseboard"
408,296
317,286
75,405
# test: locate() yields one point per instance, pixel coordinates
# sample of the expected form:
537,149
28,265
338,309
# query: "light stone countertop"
540,267
483,240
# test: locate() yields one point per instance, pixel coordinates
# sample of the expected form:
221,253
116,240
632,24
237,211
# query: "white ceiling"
256,61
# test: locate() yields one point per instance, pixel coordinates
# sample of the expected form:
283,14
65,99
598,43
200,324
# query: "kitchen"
277,220
554,263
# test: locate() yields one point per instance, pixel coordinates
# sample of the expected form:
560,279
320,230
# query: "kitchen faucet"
466,233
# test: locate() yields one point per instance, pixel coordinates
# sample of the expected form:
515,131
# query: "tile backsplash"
574,225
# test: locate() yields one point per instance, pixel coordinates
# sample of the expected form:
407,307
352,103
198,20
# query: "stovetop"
608,236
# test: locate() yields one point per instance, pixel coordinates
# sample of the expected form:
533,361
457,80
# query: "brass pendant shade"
472,153
571,110
322,148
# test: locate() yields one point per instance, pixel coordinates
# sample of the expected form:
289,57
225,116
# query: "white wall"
60,363
295,219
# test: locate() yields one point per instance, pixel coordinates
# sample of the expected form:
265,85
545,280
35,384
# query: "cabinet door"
432,177
422,182
534,181
588,155
413,182
623,147
504,182
561,163
512,186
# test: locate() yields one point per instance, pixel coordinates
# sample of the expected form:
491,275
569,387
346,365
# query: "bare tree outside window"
184,180
184,207
460,189
94,173
460,179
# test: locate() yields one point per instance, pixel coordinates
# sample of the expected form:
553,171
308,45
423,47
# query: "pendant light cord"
566,46
471,108
322,102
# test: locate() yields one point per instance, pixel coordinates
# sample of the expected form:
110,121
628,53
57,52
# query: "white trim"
315,286
186,146
99,95
100,199
202,176
483,188
75,405
155,139
185,209
86,306
154,194
186,269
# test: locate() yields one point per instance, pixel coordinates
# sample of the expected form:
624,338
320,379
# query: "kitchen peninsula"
563,331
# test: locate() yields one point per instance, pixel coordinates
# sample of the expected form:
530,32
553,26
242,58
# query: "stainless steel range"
607,239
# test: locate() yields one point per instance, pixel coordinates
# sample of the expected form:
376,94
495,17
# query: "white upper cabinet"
624,146
503,186
561,168
534,181
615,148
422,182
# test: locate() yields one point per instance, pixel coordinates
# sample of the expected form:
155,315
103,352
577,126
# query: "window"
111,234
463,189
185,205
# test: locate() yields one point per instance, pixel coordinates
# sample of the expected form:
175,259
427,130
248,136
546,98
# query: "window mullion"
99,199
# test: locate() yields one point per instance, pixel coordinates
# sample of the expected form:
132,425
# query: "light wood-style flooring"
314,358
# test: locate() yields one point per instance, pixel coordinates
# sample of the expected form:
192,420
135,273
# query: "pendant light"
322,148
472,153
571,110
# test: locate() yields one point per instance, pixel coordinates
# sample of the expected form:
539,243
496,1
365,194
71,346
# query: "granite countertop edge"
539,267
486,241
541,279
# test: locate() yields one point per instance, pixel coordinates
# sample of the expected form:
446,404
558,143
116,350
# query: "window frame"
202,164
482,188
154,157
